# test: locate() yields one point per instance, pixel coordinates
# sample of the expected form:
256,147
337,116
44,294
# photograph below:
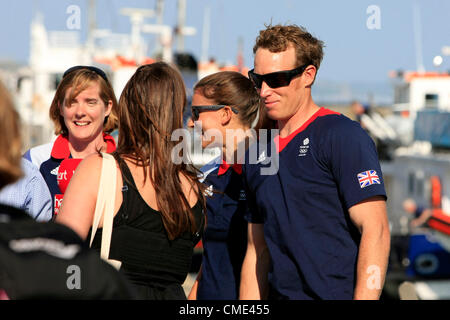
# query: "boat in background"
418,168
118,54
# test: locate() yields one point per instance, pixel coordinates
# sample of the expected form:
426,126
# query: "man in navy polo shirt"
318,226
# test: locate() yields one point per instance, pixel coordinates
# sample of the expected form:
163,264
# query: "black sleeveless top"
155,265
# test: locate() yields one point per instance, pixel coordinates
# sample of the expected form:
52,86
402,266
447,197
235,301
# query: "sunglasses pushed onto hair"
276,79
91,68
197,109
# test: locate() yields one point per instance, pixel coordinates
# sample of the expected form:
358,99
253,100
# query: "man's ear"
226,114
310,75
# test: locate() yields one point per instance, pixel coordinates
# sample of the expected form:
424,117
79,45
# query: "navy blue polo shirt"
225,237
324,168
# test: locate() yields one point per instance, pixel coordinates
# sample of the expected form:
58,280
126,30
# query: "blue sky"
353,52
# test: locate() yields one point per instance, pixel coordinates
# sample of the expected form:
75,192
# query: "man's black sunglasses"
275,79
91,68
197,109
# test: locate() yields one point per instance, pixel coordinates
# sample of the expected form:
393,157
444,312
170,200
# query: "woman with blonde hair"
84,113
158,210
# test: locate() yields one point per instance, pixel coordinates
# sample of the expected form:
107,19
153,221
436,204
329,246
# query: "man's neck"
303,114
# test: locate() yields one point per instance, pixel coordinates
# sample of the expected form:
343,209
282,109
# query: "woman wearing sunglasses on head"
228,104
84,112
159,204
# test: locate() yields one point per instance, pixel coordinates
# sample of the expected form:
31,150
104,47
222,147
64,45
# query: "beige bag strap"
104,207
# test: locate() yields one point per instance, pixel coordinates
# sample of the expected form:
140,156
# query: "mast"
205,35
181,21
418,38
92,25
181,29
159,10
137,17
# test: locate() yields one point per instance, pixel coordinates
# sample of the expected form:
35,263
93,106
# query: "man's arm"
370,217
254,283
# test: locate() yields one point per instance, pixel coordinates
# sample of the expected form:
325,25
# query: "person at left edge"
37,260
29,193
84,112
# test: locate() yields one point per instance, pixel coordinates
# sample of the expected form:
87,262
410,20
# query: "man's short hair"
308,49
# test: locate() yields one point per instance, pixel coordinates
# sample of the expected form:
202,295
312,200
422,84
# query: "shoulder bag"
104,207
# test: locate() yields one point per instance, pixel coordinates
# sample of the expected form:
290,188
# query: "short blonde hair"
10,140
80,80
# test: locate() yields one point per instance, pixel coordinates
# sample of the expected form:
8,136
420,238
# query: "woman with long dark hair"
159,204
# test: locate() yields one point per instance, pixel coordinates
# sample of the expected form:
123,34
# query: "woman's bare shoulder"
91,163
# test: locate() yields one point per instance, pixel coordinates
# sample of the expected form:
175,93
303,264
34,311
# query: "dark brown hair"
235,90
278,38
80,80
150,109
10,140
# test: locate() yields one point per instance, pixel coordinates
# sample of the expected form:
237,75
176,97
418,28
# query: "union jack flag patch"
368,178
